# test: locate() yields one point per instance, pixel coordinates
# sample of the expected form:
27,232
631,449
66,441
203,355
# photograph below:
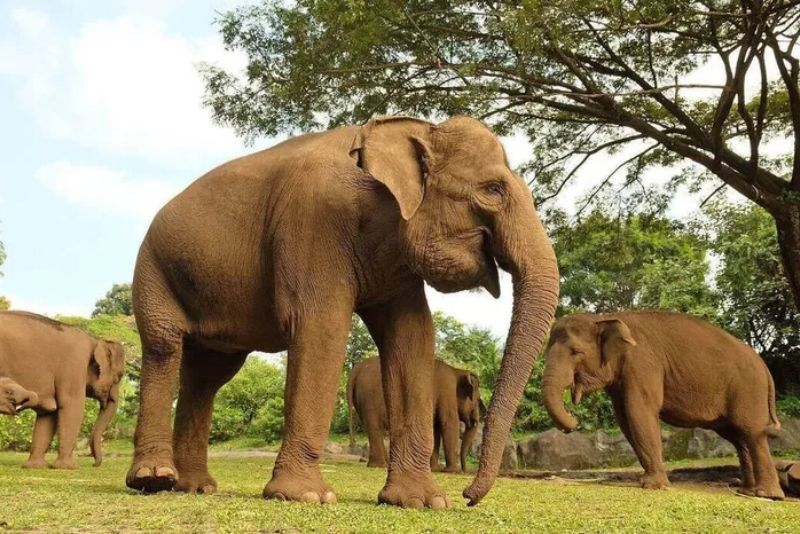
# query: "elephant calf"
456,400
61,365
668,366
15,398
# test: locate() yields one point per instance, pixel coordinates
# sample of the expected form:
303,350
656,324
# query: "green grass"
95,499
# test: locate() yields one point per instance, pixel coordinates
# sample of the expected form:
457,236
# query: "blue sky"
100,124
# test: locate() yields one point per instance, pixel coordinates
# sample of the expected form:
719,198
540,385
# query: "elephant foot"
774,493
413,491
655,482
452,469
65,463
152,475
38,463
303,487
200,483
377,463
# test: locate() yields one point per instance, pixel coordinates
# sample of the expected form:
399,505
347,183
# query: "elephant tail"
775,424
350,407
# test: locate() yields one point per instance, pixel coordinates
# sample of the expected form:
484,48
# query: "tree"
755,298
118,301
631,261
668,82
5,304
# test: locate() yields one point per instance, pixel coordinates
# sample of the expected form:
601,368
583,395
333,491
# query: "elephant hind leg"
153,468
748,484
767,483
202,373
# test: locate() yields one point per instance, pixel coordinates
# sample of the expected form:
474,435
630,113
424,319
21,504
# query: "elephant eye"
495,188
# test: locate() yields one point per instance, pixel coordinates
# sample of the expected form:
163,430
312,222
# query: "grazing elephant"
276,250
15,398
673,367
456,399
62,365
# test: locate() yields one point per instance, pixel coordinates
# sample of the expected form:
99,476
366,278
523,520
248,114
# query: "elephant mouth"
577,391
449,269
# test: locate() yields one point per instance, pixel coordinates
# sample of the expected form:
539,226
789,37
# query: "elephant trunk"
532,263
108,409
558,377
466,443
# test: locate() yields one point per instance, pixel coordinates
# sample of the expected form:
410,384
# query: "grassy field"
96,500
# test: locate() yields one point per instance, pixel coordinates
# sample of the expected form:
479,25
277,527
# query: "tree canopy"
118,301
711,82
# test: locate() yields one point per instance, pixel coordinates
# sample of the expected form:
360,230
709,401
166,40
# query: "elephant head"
106,367
469,411
463,213
14,398
585,353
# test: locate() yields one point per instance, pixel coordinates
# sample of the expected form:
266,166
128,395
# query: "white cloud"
48,307
105,190
126,85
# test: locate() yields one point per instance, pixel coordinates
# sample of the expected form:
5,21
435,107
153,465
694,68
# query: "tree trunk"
788,225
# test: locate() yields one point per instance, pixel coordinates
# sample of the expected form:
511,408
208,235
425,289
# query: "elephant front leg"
403,331
450,431
70,416
644,433
43,431
314,364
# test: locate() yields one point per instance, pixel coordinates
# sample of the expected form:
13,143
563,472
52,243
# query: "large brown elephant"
276,250
15,398
672,367
63,365
456,400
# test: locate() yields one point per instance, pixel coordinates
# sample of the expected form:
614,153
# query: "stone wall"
554,450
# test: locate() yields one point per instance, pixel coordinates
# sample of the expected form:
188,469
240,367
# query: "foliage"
630,261
5,304
755,299
251,404
15,432
94,500
789,406
598,77
118,301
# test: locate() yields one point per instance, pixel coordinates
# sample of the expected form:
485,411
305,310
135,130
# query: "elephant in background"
62,365
275,251
672,367
456,400
15,398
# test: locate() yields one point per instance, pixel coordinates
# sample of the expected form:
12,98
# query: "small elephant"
276,250
15,398
456,400
62,365
673,367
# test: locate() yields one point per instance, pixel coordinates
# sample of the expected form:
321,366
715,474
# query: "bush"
251,404
789,406
16,432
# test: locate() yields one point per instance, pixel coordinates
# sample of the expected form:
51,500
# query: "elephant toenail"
310,496
329,498
414,503
143,472
438,503
164,472
277,497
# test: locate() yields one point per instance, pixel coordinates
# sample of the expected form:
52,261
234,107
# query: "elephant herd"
276,250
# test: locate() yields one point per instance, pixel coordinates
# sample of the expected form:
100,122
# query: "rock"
555,450
695,443
614,450
333,448
788,440
510,461
358,450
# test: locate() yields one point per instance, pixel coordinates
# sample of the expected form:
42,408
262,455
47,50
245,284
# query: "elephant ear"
615,339
101,359
397,153
467,387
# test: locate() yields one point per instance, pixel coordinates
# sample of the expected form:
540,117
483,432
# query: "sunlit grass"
95,499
